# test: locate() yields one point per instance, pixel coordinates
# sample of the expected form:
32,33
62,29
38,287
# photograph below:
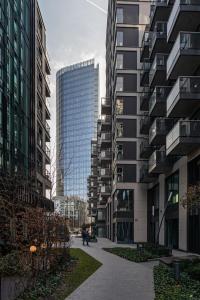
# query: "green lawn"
86,266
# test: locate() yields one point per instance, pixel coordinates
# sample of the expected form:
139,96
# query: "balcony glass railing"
106,154
189,128
175,9
154,5
184,41
105,119
160,31
160,127
159,62
160,94
158,156
184,85
105,136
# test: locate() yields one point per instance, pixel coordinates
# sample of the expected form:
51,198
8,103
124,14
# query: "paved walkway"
117,279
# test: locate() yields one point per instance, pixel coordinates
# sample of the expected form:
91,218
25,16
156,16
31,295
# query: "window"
120,15
120,84
172,186
119,106
120,38
120,129
119,174
119,61
119,152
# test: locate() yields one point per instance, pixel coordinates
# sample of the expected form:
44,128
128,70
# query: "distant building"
73,208
77,111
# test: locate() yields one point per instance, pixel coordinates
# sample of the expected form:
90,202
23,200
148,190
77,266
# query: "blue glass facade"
77,112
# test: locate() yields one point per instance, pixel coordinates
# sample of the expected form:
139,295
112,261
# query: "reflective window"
120,15
120,84
119,61
120,38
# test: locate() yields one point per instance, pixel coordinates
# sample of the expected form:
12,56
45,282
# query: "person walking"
84,236
87,238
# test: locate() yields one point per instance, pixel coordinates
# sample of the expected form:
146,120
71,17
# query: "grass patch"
61,283
85,267
167,288
137,255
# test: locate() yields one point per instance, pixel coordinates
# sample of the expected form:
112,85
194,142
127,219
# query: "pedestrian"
84,236
87,238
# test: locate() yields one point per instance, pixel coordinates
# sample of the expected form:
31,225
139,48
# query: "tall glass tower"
77,112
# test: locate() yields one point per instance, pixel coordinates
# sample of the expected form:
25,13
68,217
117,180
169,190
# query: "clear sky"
76,31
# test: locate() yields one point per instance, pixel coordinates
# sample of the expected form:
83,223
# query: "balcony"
48,152
105,155
183,138
144,51
105,138
157,74
105,120
105,106
158,100
159,130
144,74
145,124
183,10
159,163
145,149
184,98
145,176
144,99
160,10
105,173
47,89
158,42
105,190
184,58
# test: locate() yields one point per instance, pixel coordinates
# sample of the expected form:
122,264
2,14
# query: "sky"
76,31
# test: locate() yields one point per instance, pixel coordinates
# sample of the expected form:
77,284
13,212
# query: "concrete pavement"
117,279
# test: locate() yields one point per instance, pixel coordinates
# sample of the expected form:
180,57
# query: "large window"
119,61
120,84
120,38
172,187
119,106
120,15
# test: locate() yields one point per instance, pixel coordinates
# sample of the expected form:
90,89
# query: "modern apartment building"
40,115
20,96
92,184
122,205
171,123
77,112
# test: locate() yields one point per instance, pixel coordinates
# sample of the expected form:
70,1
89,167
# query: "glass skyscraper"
77,112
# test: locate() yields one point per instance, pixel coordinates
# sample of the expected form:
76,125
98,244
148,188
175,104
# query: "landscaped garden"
167,287
64,279
143,253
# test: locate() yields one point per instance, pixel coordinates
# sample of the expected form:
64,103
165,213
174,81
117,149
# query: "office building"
77,111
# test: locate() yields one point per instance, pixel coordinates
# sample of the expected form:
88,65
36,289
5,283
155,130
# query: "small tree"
192,198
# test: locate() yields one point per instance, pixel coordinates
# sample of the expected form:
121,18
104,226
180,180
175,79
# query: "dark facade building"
171,122
77,113
23,92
